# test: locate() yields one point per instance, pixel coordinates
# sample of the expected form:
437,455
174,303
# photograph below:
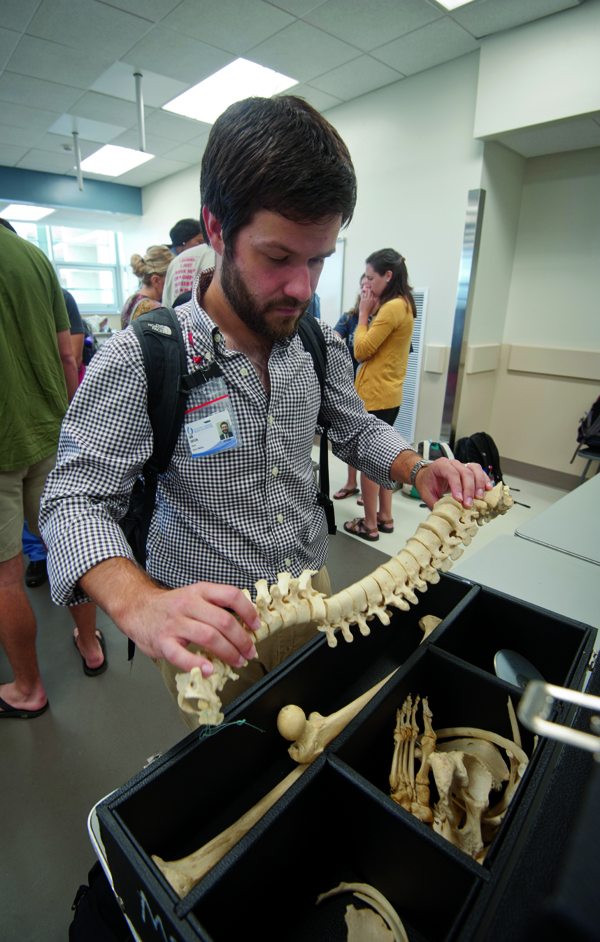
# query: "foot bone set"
293,601
466,770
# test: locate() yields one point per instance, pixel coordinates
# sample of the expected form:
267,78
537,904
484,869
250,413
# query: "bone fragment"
375,899
365,925
198,694
437,543
427,624
183,874
316,732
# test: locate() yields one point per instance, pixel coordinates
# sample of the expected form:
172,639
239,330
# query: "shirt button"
218,338
208,357
274,471
243,371
280,518
270,420
288,562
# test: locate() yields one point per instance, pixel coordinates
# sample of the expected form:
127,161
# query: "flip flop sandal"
385,526
8,712
360,502
357,527
93,671
345,492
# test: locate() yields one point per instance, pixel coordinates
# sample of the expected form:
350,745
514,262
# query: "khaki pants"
271,652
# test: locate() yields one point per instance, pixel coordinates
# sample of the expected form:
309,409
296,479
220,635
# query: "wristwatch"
420,464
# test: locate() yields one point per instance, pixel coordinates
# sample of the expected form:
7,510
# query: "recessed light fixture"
452,4
112,161
240,79
20,212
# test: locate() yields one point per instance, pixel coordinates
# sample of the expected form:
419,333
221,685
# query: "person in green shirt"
39,376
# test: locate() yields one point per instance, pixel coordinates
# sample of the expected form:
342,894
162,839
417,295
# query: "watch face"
515,668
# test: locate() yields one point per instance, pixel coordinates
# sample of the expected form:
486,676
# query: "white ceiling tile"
489,16
154,145
298,7
233,25
148,9
88,130
45,160
87,24
174,127
17,13
301,51
58,142
438,42
573,135
10,154
180,57
20,116
56,63
167,165
356,78
8,41
186,153
386,20
318,99
140,176
201,140
119,82
20,137
107,109
33,92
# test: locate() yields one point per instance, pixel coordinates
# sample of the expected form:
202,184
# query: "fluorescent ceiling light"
240,79
112,161
452,4
19,212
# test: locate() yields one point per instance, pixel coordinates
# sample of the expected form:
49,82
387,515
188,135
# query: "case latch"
536,705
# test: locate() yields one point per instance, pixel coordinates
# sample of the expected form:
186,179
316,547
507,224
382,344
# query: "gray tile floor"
100,731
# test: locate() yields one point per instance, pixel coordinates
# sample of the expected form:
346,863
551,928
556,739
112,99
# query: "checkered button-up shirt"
230,517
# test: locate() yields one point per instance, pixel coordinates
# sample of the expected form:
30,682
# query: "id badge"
209,422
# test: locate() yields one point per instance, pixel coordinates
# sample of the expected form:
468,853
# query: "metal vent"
407,417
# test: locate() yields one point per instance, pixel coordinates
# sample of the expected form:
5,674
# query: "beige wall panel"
535,416
574,364
476,404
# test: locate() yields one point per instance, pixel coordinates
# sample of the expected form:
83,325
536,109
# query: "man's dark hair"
7,225
277,154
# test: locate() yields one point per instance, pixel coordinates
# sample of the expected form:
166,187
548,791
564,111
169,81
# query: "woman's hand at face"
369,303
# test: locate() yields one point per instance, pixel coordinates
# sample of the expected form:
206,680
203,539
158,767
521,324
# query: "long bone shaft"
183,874
293,601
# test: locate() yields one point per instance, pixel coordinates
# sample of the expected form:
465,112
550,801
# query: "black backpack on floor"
98,917
481,448
588,433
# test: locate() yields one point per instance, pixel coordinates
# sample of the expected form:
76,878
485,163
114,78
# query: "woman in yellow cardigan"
383,347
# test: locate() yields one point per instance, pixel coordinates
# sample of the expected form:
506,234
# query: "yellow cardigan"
384,346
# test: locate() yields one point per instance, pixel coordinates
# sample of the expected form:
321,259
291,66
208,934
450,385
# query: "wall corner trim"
482,358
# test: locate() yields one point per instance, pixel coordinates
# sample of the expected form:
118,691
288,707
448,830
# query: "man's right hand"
162,622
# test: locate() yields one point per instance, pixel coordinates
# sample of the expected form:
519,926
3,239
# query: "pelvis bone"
293,601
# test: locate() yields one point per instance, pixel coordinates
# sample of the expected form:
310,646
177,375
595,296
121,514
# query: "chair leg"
585,471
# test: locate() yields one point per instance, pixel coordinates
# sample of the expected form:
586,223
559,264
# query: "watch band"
420,464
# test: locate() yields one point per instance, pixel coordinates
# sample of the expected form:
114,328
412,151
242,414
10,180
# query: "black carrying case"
337,822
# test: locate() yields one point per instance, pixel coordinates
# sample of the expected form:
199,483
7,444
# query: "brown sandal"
385,526
357,527
345,492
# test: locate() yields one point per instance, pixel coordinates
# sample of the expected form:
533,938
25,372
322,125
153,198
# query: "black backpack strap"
163,350
311,335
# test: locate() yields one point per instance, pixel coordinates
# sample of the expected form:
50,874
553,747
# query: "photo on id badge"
210,426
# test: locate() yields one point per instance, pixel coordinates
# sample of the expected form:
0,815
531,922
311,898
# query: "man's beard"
250,311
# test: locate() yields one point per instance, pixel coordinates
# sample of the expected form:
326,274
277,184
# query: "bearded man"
277,183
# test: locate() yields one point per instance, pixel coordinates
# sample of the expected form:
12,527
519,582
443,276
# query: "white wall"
543,71
413,149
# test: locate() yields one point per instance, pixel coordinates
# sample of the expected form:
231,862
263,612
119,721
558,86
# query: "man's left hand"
464,481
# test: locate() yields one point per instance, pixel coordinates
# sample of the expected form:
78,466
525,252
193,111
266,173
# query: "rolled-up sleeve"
105,441
359,439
